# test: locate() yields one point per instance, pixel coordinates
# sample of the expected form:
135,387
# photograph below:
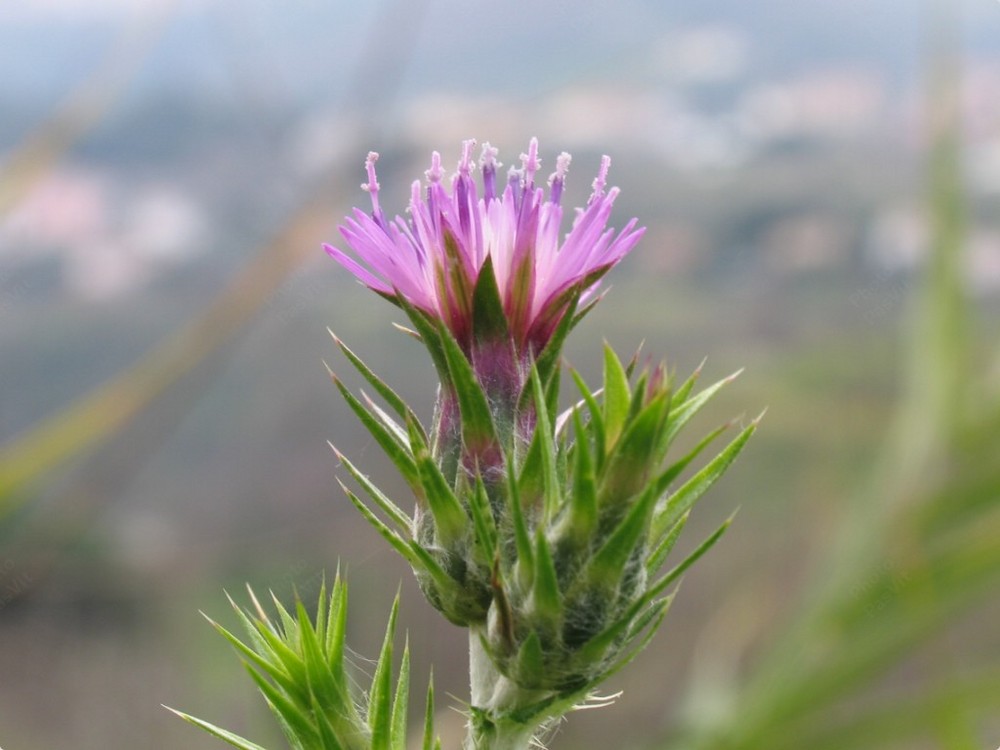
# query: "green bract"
545,533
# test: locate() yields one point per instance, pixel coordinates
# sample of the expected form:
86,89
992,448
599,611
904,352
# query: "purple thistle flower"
433,257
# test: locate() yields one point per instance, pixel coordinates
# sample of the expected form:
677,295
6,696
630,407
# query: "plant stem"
494,700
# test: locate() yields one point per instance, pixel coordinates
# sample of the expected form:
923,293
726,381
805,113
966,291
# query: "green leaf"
379,705
325,690
326,731
688,494
222,734
336,633
616,396
290,712
275,671
400,702
428,738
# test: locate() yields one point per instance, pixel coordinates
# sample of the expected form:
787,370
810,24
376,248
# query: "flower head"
434,258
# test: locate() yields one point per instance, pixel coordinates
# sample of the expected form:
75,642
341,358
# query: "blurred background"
820,182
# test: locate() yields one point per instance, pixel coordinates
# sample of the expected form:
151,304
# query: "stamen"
515,181
488,159
602,178
489,164
558,178
434,173
530,162
371,187
465,165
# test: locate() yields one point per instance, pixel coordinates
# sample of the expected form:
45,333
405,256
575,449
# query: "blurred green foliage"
887,647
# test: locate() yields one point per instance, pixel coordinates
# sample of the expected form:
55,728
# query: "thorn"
260,610
760,416
735,375
407,331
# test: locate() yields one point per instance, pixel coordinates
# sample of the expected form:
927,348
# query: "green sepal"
616,396
397,451
390,396
525,569
678,570
450,518
478,430
684,410
667,477
427,329
664,546
631,456
403,521
483,522
596,423
418,558
606,566
683,391
657,612
688,494
530,665
538,484
547,599
582,518
489,321
547,361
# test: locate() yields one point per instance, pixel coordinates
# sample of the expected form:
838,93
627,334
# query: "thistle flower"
434,260
492,272
545,541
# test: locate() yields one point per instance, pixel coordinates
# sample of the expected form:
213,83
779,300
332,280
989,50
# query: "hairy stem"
495,703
